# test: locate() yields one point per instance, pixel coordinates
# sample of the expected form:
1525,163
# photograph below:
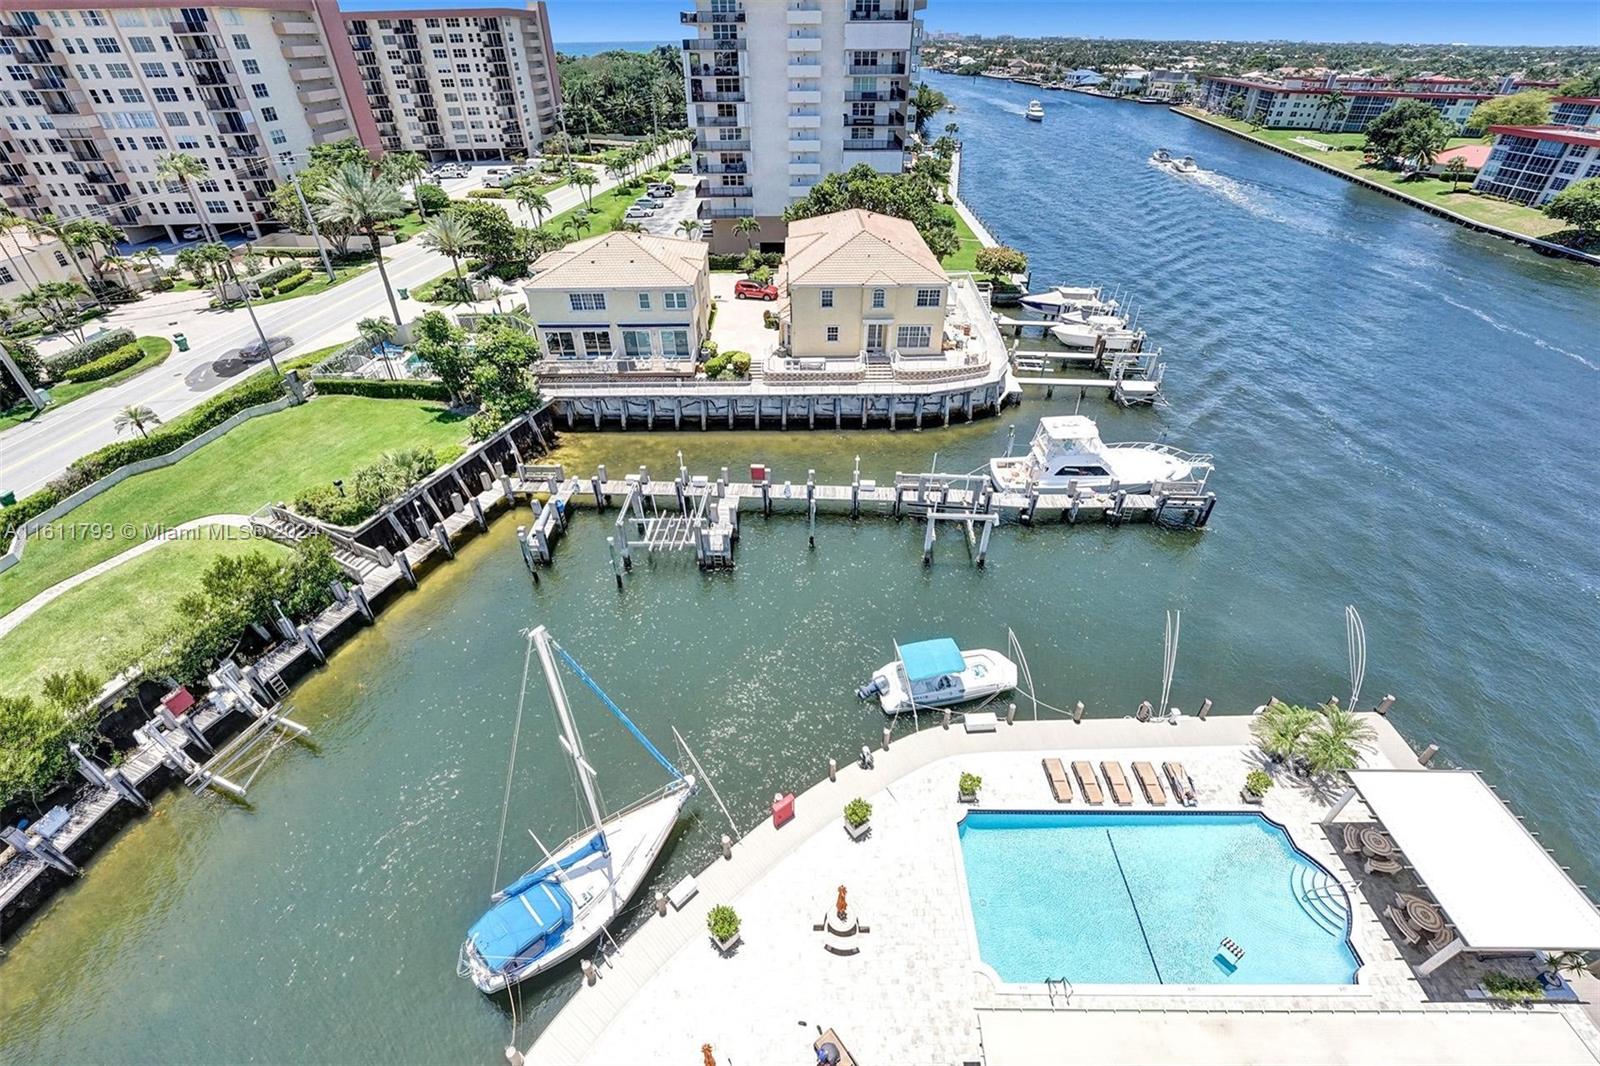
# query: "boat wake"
1524,334
1225,187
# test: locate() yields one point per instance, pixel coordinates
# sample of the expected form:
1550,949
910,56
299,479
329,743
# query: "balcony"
186,29
803,68
98,176
805,96
699,97
76,122
706,188
703,167
715,70
713,44
888,118
311,73
879,95
864,144
880,69
199,53
47,85
320,96
804,121
800,43
802,169
296,27
704,17
870,14
303,51
804,143
719,121
702,144
707,209
805,13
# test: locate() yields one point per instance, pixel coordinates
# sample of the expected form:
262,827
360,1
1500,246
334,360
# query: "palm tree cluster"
1316,740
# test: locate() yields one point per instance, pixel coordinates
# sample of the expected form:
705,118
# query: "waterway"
1403,415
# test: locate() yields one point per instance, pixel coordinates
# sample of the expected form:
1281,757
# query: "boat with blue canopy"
937,673
559,907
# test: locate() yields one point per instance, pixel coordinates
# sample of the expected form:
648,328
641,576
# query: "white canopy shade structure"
1497,885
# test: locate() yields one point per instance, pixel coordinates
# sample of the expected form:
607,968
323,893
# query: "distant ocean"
589,48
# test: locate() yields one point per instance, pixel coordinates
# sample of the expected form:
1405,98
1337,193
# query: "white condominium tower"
782,92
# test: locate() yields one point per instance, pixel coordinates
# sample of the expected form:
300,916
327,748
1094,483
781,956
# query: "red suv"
745,289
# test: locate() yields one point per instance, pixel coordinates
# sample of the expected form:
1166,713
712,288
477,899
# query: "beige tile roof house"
858,247
633,259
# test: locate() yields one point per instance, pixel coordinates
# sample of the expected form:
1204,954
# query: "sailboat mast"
574,746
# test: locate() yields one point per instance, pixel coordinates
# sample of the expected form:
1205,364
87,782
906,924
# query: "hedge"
383,390
488,194
293,281
90,350
106,365
277,274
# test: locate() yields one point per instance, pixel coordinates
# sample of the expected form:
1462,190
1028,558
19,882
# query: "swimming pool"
1119,898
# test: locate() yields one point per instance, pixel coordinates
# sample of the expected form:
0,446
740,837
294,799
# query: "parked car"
640,212
663,190
645,201
192,234
745,289
683,168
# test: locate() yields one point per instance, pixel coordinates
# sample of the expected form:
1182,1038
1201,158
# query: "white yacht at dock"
1067,451
937,673
1061,299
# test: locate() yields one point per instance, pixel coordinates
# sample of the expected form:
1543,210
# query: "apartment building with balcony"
1531,164
1311,104
92,98
781,93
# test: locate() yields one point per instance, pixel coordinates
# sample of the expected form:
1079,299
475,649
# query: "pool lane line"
1135,905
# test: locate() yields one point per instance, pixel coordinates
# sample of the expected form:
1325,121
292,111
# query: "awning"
931,658
1498,886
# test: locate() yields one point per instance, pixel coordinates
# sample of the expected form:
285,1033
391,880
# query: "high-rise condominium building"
782,92
92,98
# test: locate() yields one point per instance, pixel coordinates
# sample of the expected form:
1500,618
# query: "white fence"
19,540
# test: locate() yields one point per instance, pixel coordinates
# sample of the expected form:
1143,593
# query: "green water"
1391,440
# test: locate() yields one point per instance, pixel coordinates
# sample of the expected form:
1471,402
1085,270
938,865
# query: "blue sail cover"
931,658
596,843
523,926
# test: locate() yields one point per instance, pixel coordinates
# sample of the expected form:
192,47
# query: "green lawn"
967,257
106,623
267,459
156,350
319,280
1434,192
609,207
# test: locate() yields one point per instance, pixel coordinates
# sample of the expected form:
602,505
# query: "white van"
662,190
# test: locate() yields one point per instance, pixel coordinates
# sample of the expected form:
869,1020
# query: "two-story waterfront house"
627,300
861,285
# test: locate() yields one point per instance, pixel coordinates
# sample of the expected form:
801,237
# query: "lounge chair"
1352,839
1060,784
1121,794
1377,865
1150,784
1182,787
1087,783
1410,935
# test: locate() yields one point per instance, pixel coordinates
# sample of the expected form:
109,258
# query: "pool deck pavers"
917,992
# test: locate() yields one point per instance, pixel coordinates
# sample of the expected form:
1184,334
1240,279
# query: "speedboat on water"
1067,450
937,673
1161,157
1186,165
556,909
1035,112
1062,299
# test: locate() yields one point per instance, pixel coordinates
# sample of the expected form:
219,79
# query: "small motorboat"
1035,112
1064,299
1161,157
1110,332
1186,165
937,673
1067,451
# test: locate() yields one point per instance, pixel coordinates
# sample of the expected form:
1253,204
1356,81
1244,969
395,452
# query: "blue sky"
1570,22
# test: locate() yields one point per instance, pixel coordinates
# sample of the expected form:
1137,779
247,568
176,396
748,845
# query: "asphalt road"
34,452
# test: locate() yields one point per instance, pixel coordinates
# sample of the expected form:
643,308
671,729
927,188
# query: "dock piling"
1383,707
727,847
833,769
1428,753
1205,709
811,508
885,738
616,564
1077,713
1011,714
927,542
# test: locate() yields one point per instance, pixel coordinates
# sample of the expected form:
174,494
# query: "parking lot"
664,223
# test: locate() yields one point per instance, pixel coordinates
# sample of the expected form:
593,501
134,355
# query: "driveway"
682,206
739,322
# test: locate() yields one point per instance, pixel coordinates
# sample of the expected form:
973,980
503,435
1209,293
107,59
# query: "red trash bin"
782,809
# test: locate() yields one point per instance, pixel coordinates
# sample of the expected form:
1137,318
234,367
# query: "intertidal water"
1403,415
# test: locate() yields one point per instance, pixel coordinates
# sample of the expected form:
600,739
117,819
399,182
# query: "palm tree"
585,181
377,332
49,225
627,227
619,171
9,222
450,235
1284,730
745,227
1333,107
215,258
1455,168
184,169
403,167
690,228
356,197
95,238
577,222
1338,741
121,264
56,303
151,261
137,416
926,101
534,201
951,129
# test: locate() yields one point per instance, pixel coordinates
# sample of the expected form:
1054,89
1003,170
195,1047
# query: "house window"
913,337
559,343
269,114
587,301
636,343
644,301
597,343
928,297
827,297
260,90
675,343
252,67
878,298
675,301
61,259
279,137
241,42
5,276
833,334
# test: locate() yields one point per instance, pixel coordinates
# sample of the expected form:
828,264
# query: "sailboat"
560,906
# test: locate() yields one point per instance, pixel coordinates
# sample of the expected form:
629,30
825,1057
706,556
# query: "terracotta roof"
857,248
628,260
1472,156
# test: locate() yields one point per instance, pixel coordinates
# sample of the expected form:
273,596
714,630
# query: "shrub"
738,362
1001,259
715,365
383,390
857,811
91,350
1509,989
969,783
1257,782
723,922
369,488
106,365
35,732
488,194
293,281
432,198
278,273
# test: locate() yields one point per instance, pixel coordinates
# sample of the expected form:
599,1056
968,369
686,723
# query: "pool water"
1149,898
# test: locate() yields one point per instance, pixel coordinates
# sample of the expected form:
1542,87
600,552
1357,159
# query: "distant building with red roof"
1303,104
1575,110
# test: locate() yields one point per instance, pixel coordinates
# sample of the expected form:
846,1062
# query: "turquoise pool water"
1149,898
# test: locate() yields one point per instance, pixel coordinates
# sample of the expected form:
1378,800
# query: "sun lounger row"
1116,783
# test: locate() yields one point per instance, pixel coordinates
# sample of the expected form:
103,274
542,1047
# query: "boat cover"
596,843
931,658
524,926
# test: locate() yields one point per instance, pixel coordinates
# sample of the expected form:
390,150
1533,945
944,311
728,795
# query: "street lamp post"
266,345
22,381
294,179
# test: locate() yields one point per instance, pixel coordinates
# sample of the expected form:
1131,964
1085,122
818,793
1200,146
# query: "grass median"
156,350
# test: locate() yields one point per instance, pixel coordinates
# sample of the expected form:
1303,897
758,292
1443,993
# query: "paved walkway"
979,230
26,610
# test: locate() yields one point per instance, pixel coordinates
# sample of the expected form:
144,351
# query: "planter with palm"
357,197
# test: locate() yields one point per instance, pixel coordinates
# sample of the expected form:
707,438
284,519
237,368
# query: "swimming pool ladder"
1052,985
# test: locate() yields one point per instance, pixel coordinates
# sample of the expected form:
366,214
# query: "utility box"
758,473
782,809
